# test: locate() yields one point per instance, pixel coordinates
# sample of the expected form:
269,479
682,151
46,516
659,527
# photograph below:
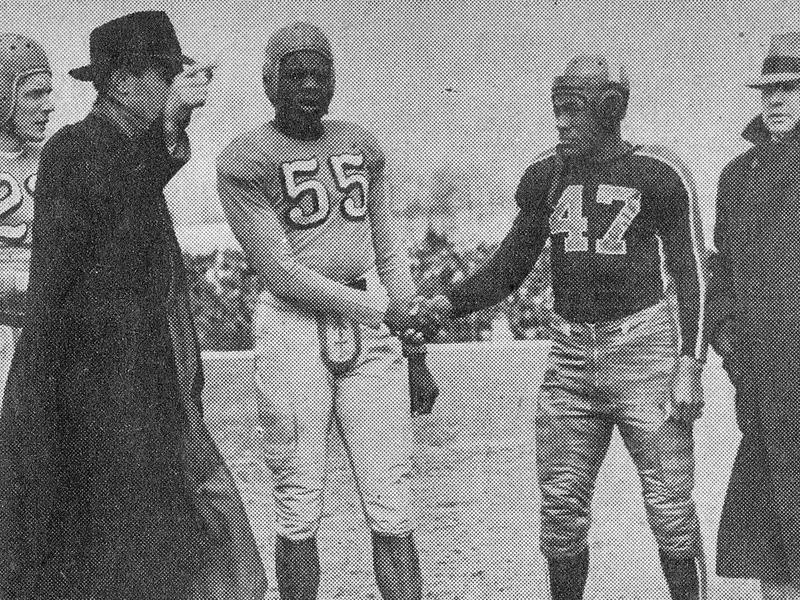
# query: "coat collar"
757,133
119,115
770,166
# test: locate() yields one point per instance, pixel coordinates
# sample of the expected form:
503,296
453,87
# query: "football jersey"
17,185
312,216
617,229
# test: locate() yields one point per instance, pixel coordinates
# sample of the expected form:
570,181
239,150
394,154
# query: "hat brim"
773,78
90,72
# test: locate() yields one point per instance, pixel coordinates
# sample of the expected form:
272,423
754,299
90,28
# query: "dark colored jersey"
617,228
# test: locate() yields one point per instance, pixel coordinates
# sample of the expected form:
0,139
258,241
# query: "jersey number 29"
11,198
310,199
567,217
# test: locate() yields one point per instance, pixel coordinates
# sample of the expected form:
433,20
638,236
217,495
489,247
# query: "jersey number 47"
567,217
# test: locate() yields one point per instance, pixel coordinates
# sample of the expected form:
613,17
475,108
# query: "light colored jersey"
313,215
17,185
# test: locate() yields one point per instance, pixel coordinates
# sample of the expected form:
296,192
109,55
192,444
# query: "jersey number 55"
309,199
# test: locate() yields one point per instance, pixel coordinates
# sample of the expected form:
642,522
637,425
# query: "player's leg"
295,400
572,438
373,409
569,452
640,363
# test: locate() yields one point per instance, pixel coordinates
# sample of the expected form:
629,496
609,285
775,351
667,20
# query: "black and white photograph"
424,300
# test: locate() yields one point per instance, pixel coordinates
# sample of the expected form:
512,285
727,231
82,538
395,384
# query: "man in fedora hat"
25,107
752,318
110,485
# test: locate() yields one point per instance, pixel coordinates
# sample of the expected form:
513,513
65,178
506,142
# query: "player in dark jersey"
620,219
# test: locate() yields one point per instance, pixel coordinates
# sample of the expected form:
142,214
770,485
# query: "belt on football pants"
619,326
340,355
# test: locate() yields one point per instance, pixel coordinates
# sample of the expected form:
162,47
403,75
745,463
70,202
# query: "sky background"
455,91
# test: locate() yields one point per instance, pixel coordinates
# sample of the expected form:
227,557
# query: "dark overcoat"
754,293
110,486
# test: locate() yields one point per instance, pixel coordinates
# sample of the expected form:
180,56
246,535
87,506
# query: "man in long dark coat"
110,486
753,314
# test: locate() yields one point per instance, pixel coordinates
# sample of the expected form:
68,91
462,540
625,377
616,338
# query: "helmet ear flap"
611,104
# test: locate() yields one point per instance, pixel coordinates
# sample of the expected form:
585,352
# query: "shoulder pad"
364,140
535,184
238,159
672,162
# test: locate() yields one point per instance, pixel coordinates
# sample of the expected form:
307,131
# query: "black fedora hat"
148,35
782,63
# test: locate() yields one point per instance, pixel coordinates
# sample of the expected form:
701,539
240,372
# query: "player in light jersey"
620,218
25,107
306,199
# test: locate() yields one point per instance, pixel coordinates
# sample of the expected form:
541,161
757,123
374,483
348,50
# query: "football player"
25,107
618,217
306,199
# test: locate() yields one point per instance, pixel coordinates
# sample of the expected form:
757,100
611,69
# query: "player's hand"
687,401
438,310
415,321
725,343
189,90
401,319
421,385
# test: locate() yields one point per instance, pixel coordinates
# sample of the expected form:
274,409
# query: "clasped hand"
419,320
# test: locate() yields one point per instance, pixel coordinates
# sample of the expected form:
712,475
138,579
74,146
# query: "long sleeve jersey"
17,186
312,216
616,229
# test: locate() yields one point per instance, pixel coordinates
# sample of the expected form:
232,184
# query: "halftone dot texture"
20,57
458,96
292,38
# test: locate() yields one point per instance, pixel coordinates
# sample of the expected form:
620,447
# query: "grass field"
476,494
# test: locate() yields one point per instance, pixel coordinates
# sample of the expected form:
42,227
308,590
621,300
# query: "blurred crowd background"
224,291
458,94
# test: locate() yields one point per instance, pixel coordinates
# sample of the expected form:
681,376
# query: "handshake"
415,322
419,320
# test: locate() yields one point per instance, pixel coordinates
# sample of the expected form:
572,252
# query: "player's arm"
392,264
508,267
391,256
684,249
260,233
